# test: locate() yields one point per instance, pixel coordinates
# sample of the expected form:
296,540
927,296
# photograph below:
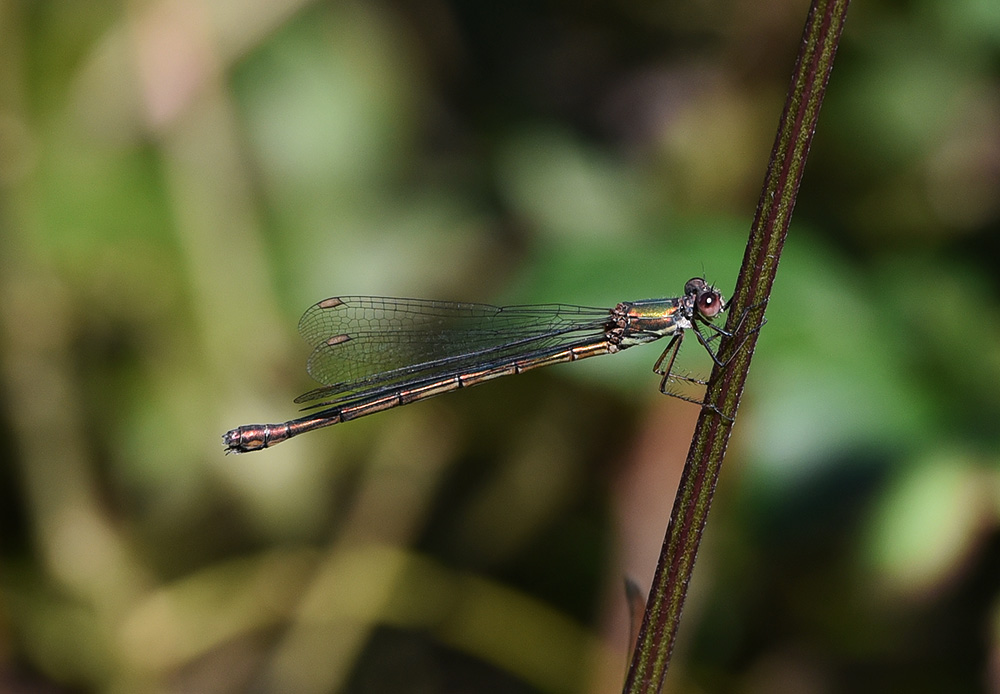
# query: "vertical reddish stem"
770,226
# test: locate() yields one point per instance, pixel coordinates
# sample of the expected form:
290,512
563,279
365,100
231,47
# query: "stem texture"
657,634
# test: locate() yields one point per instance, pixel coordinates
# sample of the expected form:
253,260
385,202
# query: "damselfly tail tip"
245,439
255,437
231,441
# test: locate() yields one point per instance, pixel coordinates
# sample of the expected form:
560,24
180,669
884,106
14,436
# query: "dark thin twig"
701,471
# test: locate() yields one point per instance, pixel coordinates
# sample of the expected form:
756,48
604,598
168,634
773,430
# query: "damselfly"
373,353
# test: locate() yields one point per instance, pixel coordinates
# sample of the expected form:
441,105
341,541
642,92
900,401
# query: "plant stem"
655,643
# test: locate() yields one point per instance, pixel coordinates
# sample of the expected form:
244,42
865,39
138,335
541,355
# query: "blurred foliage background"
180,179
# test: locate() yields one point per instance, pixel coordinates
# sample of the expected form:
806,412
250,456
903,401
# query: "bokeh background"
179,180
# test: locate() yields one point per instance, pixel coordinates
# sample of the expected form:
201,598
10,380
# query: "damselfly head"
707,299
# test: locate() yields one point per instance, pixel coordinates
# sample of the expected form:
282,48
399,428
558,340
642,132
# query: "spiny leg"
721,332
672,349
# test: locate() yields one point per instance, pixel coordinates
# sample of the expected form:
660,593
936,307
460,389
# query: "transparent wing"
362,343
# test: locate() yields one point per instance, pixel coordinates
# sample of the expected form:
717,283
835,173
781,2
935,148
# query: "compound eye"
695,286
709,303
